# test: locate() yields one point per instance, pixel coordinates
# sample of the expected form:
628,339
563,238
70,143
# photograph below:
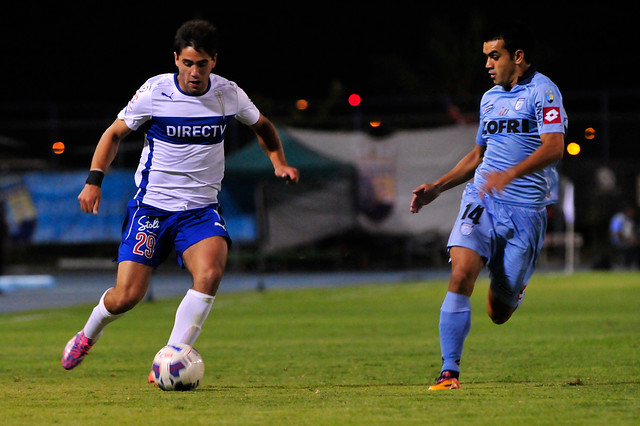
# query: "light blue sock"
455,322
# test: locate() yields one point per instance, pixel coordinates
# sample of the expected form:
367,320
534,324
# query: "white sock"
190,316
98,320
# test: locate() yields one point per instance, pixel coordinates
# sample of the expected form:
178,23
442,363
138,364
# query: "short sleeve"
484,106
550,115
138,110
248,113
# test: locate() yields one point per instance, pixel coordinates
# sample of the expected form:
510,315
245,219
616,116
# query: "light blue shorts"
509,237
150,234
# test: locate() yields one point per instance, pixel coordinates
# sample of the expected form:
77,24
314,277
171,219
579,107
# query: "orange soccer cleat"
446,381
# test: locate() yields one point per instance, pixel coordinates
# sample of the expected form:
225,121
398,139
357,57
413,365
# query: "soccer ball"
177,367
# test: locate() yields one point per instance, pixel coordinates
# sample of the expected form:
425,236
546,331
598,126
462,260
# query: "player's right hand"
423,195
90,198
289,174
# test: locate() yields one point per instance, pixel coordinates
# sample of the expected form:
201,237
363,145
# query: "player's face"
194,68
501,66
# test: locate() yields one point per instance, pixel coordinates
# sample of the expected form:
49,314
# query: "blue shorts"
150,234
509,237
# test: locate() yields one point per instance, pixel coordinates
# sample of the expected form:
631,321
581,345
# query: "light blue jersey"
511,123
507,228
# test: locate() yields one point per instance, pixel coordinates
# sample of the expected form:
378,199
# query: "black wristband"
95,178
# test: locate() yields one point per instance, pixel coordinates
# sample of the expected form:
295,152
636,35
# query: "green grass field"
354,355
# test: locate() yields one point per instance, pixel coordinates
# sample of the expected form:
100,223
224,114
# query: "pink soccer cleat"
75,350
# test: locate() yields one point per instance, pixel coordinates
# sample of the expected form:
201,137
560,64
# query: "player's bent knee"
121,302
212,275
499,315
208,280
499,319
460,276
498,311
462,281
122,306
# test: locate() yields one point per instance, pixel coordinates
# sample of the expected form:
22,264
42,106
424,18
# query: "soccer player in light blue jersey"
502,218
184,116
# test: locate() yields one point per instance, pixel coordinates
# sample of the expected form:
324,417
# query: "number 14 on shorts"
473,212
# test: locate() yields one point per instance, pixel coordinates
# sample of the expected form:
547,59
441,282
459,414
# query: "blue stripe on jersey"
189,130
145,173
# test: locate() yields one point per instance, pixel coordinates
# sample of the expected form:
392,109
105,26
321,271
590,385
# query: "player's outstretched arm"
103,156
461,172
272,146
423,195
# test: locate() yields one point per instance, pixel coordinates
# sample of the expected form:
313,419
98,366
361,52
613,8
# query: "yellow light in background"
573,148
302,104
589,133
375,123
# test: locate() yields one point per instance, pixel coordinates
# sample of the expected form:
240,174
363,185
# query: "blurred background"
371,100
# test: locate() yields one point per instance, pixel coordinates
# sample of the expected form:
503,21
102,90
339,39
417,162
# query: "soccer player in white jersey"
184,116
502,217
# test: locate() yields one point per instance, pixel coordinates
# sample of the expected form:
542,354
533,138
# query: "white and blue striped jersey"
511,123
182,163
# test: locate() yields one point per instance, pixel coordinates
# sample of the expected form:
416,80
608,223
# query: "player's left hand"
289,174
496,182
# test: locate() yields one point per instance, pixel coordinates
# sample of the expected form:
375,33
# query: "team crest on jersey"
519,104
548,95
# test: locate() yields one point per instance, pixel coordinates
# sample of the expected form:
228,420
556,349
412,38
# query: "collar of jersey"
175,81
527,76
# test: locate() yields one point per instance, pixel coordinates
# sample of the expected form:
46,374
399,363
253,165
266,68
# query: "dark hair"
199,34
516,36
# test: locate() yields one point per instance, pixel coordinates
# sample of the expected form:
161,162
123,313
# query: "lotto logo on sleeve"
551,115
